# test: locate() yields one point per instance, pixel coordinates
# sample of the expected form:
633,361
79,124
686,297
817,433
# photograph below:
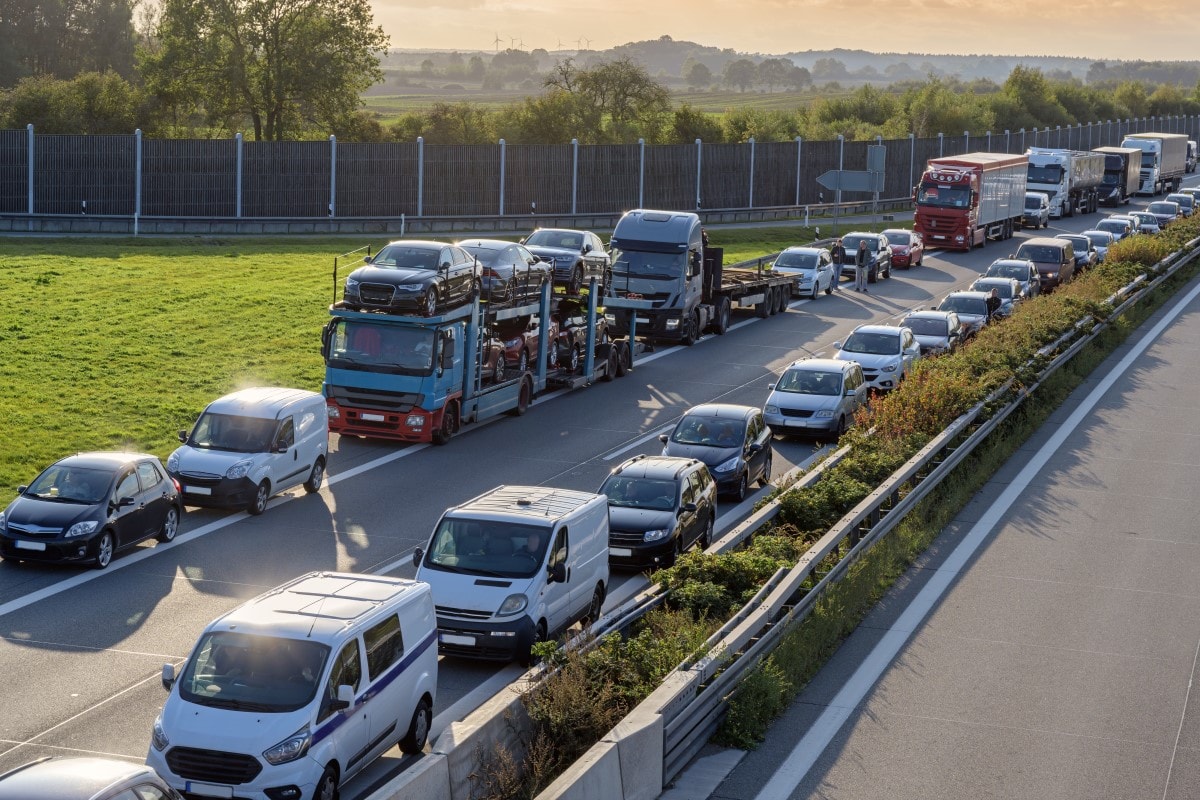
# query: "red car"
520,341
908,249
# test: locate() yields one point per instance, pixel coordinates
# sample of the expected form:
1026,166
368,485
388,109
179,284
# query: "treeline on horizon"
189,71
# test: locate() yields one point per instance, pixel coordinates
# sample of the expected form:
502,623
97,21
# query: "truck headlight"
239,470
415,421
291,748
654,536
158,736
81,529
672,324
513,604
333,412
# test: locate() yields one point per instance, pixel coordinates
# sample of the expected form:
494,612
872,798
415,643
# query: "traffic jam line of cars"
508,548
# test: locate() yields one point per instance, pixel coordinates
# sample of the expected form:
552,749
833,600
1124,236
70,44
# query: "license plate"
208,789
372,417
642,320
197,490
24,545
451,638
796,423
620,552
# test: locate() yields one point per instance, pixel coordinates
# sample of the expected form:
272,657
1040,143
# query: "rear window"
1039,252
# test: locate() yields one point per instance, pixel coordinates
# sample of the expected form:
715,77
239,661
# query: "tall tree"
774,72
61,38
615,101
741,73
280,63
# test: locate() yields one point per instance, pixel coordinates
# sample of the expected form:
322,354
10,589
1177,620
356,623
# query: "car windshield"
1112,225
233,433
407,256
898,237
1033,203
851,243
629,492
709,432
1003,288
370,347
926,326
252,672
796,261
810,381
83,485
875,344
965,305
1036,252
567,240
1017,271
487,547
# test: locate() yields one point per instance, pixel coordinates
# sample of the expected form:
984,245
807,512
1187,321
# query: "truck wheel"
608,354
524,397
688,337
763,310
622,358
449,424
721,317
784,297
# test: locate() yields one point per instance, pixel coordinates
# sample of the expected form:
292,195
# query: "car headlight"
1051,274
173,462
611,319
725,466
351,286
654,536
81,529
824,412
411,287
513,342
158,737
772,409
239,470
513,604
291,748
889,368
2,518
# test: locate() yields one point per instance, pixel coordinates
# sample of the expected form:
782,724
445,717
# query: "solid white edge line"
804,755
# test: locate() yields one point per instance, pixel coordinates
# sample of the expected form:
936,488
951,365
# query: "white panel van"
514,566
293,692
251,444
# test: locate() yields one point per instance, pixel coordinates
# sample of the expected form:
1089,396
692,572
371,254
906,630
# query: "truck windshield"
1149,158
233,433
1051,173
640,264
1112,178
249,672
942,196
488,547
374,347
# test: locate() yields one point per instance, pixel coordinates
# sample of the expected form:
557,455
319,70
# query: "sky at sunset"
1086,28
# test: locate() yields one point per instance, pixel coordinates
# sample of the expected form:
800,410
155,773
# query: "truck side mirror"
558,573
168,676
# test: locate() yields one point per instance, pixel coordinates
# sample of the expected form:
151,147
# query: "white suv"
886,353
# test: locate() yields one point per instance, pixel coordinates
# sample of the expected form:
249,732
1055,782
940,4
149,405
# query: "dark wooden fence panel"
609,176
537,179
14,172
671,177
462,180
377,180
83,174
724,176
285,179
189,177
775,174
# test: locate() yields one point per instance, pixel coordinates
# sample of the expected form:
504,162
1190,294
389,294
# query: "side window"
385,646
559,554
445,257
690,487
287,433
128,487
148,791
347,671
149,475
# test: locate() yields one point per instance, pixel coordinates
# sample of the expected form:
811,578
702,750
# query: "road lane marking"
804,755
639,441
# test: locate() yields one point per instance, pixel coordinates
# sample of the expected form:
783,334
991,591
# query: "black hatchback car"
414,275
658,507
86,507
733,441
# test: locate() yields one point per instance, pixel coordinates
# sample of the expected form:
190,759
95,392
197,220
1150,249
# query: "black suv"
658,506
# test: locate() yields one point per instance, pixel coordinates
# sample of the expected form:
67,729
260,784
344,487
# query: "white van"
514,566
252,444
293,692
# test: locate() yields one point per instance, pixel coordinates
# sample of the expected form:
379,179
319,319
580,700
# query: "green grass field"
119,343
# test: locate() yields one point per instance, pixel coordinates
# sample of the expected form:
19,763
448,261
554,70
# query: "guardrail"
648,749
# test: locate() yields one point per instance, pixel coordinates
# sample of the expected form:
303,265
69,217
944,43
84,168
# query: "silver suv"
815,396
885,352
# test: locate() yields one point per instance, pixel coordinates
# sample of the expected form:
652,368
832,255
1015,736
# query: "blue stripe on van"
394,672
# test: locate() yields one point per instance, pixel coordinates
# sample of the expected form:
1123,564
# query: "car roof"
930,314
558,230
832,364
886,231
994,280
499,244
1042,240
891,329
1070,236
67,778
103,460
804,250
264,402
862,233
969,294
1011,262
1093,230
657,467
722,411
423,243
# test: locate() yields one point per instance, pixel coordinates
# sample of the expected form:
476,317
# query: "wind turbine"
497,41
578,43
520,44
512,43
588,41
560,44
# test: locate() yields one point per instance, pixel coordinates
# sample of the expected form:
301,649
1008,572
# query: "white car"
812,268
886,353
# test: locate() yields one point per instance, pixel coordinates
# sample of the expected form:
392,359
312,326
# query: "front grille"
193,764
396,402
199,478
376,294
796,412
870,374
625,539
461,613
33,530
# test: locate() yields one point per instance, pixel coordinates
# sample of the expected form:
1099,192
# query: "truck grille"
376,294
193,764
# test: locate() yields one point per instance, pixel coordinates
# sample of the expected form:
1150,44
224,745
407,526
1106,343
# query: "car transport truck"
1069,178
1122,174
419,379
1164,160
668,285
962,201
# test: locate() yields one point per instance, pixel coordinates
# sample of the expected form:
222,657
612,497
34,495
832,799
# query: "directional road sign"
852,180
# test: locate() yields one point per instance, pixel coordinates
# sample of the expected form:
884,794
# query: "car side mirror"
445,266
557,573
183,436
281,446
837,345
587,248
851,392
345,698
663,437
755,447
418,554
367,259
125,502
21,489
771,386
688,507
168,676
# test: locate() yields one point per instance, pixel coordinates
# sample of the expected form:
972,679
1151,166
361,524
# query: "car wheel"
170,525
525,656
743,488
576,281
418,729
596,607
523,361
431,302
574,359
313,484
829,286
765,479
705,540
104,550
841,426
872,275
498,370
259,504
327,786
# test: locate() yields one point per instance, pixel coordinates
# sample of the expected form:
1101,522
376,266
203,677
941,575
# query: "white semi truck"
1164,160
1070,178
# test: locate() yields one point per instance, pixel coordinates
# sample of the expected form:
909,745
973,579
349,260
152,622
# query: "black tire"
783,296
524,398
829,288
259,503
705,540
418,730
525,656
841,427
575,359
315,477
721,318
575,282
605,282
429,308
610,372
105,548
764,480
763,310
449,426
622,358
887,273
816,289
327,786
872,275
690,332
510,292
170,526
743,488
595,607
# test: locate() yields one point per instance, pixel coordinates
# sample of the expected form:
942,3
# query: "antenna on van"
313,624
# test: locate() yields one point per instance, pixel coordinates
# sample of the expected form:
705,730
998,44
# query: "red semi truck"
964,200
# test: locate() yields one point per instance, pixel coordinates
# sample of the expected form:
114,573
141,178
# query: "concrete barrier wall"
470,746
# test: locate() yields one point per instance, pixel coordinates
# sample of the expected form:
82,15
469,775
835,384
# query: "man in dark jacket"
838,252
862,257
992,303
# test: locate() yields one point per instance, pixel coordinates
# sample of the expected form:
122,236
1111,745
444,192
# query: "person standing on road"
838,253
860,267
